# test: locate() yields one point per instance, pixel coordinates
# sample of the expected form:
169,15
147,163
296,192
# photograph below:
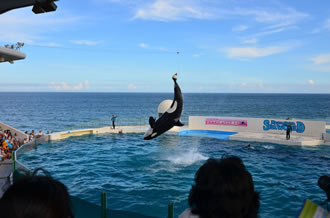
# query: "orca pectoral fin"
179,123
151,122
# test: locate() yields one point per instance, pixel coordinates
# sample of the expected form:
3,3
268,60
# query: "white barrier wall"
258,125
326,137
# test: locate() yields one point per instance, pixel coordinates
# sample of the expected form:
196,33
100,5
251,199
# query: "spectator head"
36,196
224,188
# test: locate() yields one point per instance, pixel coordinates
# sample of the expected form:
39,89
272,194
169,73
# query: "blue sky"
250,46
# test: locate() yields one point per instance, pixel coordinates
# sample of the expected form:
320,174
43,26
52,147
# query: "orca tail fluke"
179,123
151,121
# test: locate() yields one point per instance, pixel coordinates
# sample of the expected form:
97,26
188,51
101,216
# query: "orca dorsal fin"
178,123
151,122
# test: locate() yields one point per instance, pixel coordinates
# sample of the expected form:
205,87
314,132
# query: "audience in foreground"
223,189
36,197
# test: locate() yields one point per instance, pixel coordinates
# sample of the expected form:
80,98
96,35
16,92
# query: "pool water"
144,176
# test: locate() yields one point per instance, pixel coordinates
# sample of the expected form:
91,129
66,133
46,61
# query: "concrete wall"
19,133
326,137
80,132
258,125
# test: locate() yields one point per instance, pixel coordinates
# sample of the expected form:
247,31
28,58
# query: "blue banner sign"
298,126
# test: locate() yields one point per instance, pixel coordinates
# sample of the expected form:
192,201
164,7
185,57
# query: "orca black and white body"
170,118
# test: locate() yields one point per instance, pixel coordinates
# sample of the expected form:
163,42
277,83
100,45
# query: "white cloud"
24,26
310,82
320,68
131,86
239,28
143,45
254,38
47,44
277,30
147,46
86,84
322,59
260,87
170,10
63,86
325,26
250,41
254,52
85,42
279,17
174,10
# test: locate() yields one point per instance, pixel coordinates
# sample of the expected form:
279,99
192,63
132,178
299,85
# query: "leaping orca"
170,118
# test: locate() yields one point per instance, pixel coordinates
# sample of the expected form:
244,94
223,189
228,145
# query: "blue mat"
223,135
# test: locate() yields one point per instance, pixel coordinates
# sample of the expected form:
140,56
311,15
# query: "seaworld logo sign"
298,126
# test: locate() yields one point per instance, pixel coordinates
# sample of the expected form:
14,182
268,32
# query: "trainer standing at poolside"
113,119
288,131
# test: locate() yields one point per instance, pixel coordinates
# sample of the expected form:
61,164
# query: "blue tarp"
223,135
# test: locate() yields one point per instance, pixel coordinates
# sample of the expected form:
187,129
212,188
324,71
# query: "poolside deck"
240,136
106,129
277,139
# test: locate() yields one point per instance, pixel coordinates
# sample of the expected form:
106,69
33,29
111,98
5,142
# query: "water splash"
270,147
186,158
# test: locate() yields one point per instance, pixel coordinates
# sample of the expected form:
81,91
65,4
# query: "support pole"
171,210
103,205
14,163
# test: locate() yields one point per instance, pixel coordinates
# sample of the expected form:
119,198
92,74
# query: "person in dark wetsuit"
113,119
288,131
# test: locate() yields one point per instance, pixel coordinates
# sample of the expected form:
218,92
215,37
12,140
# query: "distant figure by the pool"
168,119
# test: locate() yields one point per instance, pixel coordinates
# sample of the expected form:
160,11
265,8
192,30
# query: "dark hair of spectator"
36,197
224,188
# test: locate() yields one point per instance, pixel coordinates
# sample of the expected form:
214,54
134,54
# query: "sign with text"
298,126
226,122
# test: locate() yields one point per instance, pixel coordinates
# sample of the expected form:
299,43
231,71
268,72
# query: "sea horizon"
241,93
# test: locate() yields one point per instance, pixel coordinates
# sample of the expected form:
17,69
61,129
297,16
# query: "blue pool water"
223,135
144,176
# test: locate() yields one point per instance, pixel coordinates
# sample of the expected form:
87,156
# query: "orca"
170,118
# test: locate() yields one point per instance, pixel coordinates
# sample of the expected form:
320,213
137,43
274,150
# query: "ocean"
144,176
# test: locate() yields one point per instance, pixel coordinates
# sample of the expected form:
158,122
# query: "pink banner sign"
226,122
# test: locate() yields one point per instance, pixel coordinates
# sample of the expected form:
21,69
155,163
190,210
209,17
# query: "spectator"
31,137
36,196
223,188
6,134
26,140
40,134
